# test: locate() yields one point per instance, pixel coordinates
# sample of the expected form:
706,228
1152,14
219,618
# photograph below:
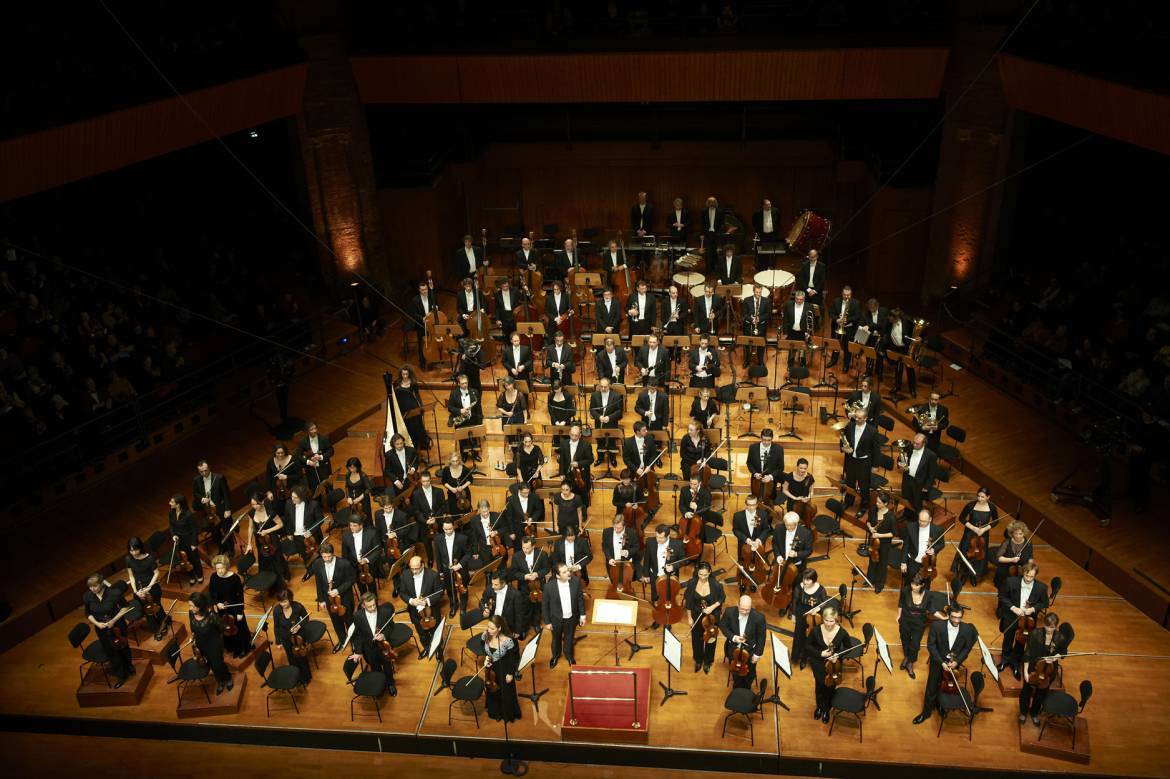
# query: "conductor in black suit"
948,643
563,609
642,217
765,460
744,626
861,452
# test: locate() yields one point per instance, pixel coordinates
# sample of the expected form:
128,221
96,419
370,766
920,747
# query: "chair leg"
942,717
1043,725
449,705
267,702
206,694
377,709
351,700
724,734
293,698
833,723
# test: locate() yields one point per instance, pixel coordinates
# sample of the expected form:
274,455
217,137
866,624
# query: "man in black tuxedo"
557,305
392,522
209,488
568,257
795,323
576,452
766,223
614,262
750,528
811,278
469,259
744,627
792,541
317,452
765,460
756,313
527,256
650,360
608,314
421,304
711,222
523,505
730,270
708,311
368,624
529,564
478,532
867,398
898,332
652,407
517,359
641,310
466,404
935,420
451,558
420,586
303,518
642,217
675,312
639,450
693,499
427,502
361,542
861,450
558,359
948,643
844,311
500,600
562,610
335,578
918,475
704,363
469,304
573,550
1019,597
605,408
507,301
919,539
677,221
398,462
873,323
663,556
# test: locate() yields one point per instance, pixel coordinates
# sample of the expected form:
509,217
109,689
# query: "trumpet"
840,329
903,447
845,446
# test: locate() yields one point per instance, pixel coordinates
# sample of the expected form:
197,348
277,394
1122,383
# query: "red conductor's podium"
607,705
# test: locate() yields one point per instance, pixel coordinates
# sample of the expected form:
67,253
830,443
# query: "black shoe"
802,664
422,653
825,717
698,666
1023,718
910,673
817,714
553,662
597,464
395,593
452,614
392,691
119,682
921,718
570,660
832,361
230,684
1000,666
308,575
902,666
1016,672
706,668
219,689
654,626
1036,721
613,460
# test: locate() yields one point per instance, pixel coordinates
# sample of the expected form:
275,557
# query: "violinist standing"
414,586
919,540
288,619
371,626
184,534
529,565
527,513
704,595
572,510
915,604
948,643
808,595
207,632
744,627
305,517
576,454
881,525
573,550
562,610
102,605
335,578
451,558
978,518
502,600
226,590
317,451
266,522
361,544
212,488
1047,641
826,640
398,463
1020,597
1015,550
142,568
503,658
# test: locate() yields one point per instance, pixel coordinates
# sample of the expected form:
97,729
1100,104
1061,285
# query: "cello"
623,282
690,529
648,481
781,582
701,468
621,578
667,610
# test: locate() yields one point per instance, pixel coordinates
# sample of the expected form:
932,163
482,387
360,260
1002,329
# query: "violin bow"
1037,530
963,557
171,564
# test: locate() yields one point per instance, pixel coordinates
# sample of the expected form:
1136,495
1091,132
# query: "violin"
184,563
364,575
578,476
833,667
336,607
710,628
426,617
150,606
310,545
741,661
230,628
1024,627
297,641
491,682
1043,672
977,548
463,497
457,584
393,548
873,546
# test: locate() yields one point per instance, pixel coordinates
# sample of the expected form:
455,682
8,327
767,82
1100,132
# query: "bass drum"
808,232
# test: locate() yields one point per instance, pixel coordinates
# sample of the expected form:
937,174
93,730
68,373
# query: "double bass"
433,344
624,281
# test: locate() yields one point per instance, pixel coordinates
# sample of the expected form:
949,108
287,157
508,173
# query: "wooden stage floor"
38,676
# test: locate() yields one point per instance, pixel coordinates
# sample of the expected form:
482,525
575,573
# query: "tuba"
915,350
903,446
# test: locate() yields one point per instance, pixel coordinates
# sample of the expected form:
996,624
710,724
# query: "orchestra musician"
143,575
517,358
559,360
605,407
577,454
808,597
456,479
663,556
512,406
398,464
642,217
479,532
288,619
611,362
792,541
898,332
503,657
394,524
226,590
797,486
210,492
652,406
468,302
361,545
678,221
419,586
501,600
1016,549
757,311
406,392
1019,597
978,517
563,609
529,565
507,301
451,557
305,519
873,324
919,473
640,449
708,311
1043,642
765,461
285,471
641,310
865,397
826,640
934,419
614,261
948,643
370,625
695,498
527,515
567,258
562,409
102,608
651,362
705,409
744,627
426,503
711,223
465,404
358,489
845,312
619,542
916,603
796,322
185,535
207,633
860,445
527,256
570,508
703,595
421,305
469,259
750,528
730,269
692,448
607,314
919,539
811,278
882,526
675,313
704,363
317,452
557,305
626,493
529,461
573,550
335,578
266,522
766,223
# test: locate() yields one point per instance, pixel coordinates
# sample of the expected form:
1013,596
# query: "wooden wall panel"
413,80
1116,110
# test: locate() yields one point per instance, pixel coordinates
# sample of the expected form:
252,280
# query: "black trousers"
192,555
857,476
910,631
218,667
424,636
121,661
564,633
702,652
1032,699
933,679
911,378
877,569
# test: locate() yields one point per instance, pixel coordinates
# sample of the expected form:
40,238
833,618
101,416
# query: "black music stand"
672,654
824,344
472,434
750,395
792,396
827,415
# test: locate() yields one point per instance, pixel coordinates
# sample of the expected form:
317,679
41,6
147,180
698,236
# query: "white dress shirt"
923,542
566,599
915,460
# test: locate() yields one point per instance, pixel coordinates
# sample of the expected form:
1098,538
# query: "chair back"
349,667
758,701
171,653
958,434
977,684
835,506
245,562
448,671
1067,631
78,634
884,422
263,663
1086,693
867,631
885,462
1054,588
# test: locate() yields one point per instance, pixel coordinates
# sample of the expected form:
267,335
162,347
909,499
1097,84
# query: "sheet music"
529,653
780,655
437,639
883,650
987,659
672,650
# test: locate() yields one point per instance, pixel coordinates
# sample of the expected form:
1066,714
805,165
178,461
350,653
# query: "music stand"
638,341
728,292
751,395
790,346
526,659
516,432
753,342
471,434
792,396
521,384
860,354
780,662
619,614
674,342
608,434
672,654
903,359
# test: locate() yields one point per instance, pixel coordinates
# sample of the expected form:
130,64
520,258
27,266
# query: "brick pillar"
339,173
973,155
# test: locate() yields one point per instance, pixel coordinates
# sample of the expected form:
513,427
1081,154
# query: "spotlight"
344,340
253,134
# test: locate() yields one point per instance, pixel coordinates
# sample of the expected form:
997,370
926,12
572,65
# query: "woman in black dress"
512,405
143,569
185,536
529,459
806,596
797,486
691,447
881,524
705,409
503,657
288,618
915,603
456,477
570,509
703,595
1014,551
227,597
1043,642
826,640
285,471
207,631
408,397
562,410
357,489
267,523
978,518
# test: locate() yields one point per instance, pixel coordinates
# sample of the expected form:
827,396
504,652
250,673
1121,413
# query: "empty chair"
718,481
744,702
282,678
368,684
876,480
467,689
828,527
261,582
854,703
315,630
951,453
1062,708
963,703
93,654
187,672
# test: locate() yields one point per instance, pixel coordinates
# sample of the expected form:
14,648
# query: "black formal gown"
451,480
504,704
230,589
567,512
815,645
695,603
353,489
282,627
528,462
877,569
979,518
144,569
408,400
208,634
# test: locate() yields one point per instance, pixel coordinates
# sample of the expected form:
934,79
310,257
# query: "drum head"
748,290
775,278
697,290
689,279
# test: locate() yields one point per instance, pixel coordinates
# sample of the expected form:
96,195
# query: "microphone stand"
511,764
